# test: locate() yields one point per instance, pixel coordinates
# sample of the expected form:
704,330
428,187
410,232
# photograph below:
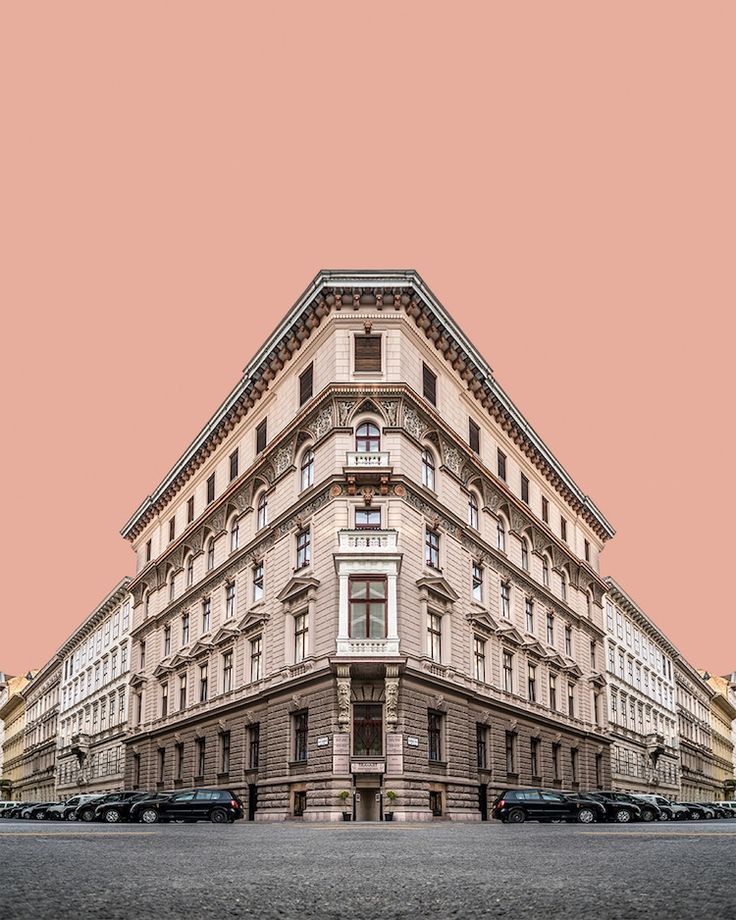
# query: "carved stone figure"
344,408
343,703
412,423
392,701
322,423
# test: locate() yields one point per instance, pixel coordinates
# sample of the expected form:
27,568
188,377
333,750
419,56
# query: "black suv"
221,806
619,812
86,811
648,811
117,811
517,805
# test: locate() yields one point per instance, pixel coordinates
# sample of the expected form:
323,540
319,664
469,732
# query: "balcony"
367,469
79,744
368,648
367,541
372,458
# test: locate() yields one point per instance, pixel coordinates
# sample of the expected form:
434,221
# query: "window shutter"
305,384
367,352
473,436
261,437
430,384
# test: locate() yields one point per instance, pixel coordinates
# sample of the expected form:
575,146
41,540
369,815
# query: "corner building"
367,574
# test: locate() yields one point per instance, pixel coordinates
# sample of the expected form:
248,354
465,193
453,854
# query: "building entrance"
368,803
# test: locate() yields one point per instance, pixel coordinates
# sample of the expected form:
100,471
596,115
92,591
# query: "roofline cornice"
115,597
620,597
298,323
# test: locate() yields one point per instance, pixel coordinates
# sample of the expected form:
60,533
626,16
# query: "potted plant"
344,796
391,796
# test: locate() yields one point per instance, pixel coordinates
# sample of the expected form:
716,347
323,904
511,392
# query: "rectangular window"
261,435
481,745
574,764
556,762
301,636
511,752
161,764
301,735
254,745
227,672
306,381
367,353
211,489
563,529
434,636
172,529
534,756
571,700
167,641
224,752
256,658
303,548
258,582
141,659
206,614
201,755
178,759
234,460
479,658
478,582
434,735
587,550
367,518
593,655
473,436
596,708
532,684
136,771
609,616
203,682
545,510
432,548
368,608
148,550
506,600
190,509
508,672
367,730
429,383
164,700
529,614
185,629
553,692
568,641
599,770
550,629
501,464
524,489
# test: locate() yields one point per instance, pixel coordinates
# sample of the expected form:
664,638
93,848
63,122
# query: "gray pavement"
673,871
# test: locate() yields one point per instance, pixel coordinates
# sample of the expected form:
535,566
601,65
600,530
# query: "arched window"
428,469
525,554
501,534
210,553
545,571
563,586
234,535
367,438
190,570
307,469
262,512
473,511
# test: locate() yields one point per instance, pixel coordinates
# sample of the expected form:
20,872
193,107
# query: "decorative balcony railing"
371,458
368,648
368,541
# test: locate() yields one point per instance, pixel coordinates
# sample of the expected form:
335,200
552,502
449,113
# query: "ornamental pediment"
225,633
597,680
482,619
201,647
509,633
572,669
297,586
163,668
138,679
556,661
535,648
180,659
439,586
253,619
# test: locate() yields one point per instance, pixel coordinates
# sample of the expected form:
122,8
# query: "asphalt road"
371,871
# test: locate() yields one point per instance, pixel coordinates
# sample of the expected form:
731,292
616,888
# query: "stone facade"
698,779
327,494
93,714
722,722
37,780
641,699
12,717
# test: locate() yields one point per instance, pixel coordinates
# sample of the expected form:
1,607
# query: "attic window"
368,353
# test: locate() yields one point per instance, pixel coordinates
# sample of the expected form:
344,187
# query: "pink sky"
562,175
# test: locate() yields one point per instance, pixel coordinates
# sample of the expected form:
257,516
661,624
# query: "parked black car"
619,812
115,811
14,811
648,811
720,811
39,810
671,811
217,805
86,810
66,810
517,805
698,810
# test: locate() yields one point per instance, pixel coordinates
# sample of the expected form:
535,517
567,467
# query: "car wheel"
664,816
39,816
623,816
87,815
218,816
586,816
647,816
112,816
694,816
149,816
71,817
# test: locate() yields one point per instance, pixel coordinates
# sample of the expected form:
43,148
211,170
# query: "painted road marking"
73,833
648,834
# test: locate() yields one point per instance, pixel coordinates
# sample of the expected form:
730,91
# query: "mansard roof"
334,290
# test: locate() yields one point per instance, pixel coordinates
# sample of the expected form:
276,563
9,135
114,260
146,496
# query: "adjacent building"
12,714
93,710
37,780
366,574
698,780
722,723
642,699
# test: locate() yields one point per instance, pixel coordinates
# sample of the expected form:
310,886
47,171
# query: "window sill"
298,764
440,764
198,780
223,777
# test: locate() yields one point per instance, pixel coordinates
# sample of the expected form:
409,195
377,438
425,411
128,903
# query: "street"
367,871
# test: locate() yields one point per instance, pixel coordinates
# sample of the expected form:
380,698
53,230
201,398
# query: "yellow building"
13,714
722,716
